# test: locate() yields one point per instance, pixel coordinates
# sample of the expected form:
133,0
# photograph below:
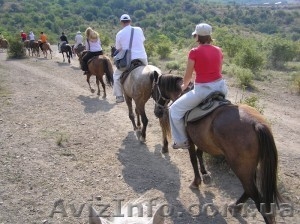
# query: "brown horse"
45,48
32,47
241,135
3,44
98,66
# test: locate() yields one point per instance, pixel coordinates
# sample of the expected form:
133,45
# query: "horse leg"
193,157
69,58
144,128
205,175
97,82
88,76
103,87
130,111
138,118
63,56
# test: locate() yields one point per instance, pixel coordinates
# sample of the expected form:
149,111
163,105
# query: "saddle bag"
123,59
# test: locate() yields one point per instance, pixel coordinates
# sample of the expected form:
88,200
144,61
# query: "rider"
43,39
63,40
137,50
23,36
78,39
93,48
206,61
31,37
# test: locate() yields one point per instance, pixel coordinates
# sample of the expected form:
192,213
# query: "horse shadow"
145,170
62,63
94,104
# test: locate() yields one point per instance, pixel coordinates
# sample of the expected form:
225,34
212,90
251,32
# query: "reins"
160,96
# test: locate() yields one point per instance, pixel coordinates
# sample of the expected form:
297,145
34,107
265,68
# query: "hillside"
174,18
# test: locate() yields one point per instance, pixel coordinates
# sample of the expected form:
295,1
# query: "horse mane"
170,83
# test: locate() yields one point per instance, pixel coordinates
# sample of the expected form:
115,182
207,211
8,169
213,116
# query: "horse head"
165,88
112,51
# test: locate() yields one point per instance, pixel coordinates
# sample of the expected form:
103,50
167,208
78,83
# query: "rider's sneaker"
119,99
184,145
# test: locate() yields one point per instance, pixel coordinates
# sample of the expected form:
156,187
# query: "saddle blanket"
209,104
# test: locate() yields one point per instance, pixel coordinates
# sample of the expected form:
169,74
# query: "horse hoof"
234,209
142,139
98,94
103,97
164,149
138,134
194,186
92,90
206,178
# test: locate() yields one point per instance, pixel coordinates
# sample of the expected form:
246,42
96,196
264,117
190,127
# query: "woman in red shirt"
206,60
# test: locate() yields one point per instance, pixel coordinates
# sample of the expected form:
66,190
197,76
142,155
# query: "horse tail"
165,125
268,166
109,71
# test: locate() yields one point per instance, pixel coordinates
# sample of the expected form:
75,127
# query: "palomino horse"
77,51
138,86
3,43
45,48
99,66
66,48
238,132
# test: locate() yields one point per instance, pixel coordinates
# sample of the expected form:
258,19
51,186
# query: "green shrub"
164,50
280,52
249,58
252,101
173,65
243,75
16,49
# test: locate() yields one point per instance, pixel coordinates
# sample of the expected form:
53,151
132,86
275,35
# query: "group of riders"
44,39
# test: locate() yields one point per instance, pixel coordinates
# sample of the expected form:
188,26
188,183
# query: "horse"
66,48
98,66
26,45
35,48
3,43
32,47
138,86
45,48
239,133
77,51
112,51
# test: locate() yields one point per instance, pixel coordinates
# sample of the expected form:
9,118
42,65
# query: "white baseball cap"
78,32
125,17
203,29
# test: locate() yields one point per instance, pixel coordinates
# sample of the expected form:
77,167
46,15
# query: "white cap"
125,17
78,32
203,29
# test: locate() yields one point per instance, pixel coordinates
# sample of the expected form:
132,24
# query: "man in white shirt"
78,39
137,50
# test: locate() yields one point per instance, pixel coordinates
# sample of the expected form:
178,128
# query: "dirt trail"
100,160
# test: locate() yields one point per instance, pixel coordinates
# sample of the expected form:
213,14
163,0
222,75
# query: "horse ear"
158,217
94,218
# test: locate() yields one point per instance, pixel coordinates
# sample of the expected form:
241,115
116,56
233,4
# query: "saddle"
209,104
94,57
133,65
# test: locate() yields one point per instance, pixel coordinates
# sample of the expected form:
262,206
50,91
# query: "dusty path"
99,161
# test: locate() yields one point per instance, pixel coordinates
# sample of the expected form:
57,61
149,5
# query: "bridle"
155,85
